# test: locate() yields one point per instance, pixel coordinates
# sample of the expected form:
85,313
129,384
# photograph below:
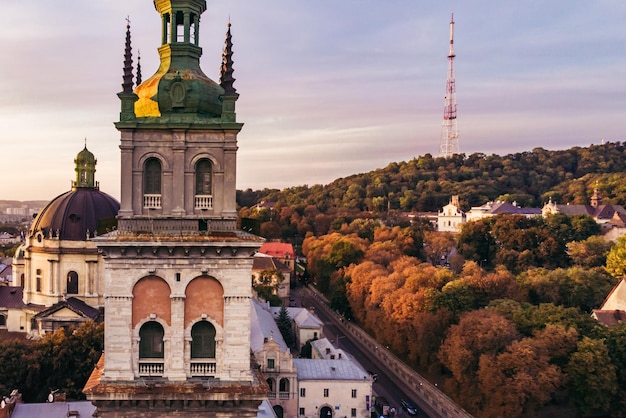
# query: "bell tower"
179,134
177,270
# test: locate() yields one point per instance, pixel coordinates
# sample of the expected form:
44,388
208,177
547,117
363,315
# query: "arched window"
151,340
204,173
283,385
203,340
270,383
72,283
3,321
152,176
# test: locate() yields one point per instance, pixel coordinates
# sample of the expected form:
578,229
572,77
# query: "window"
326,393
301,412
38,284
203,177
353,412
203,340
3,321
354,393
152,177
283,385
270,363
303,392
72,283
270,383
151,340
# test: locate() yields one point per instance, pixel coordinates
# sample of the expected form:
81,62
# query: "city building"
500,208
177,270
59,259
451,218
333,388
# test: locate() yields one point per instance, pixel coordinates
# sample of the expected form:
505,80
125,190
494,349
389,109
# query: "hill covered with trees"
425,184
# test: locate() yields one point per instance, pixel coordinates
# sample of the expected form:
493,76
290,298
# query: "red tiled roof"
277,249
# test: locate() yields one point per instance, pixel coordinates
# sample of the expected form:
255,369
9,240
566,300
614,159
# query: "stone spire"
127,85
226,69
127,96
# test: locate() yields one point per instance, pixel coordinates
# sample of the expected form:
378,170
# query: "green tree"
592,378
284,326
266,285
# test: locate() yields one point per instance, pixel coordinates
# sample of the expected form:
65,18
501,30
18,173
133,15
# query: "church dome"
81,213
77,215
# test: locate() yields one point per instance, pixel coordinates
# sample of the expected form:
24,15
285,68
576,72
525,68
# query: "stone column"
176,369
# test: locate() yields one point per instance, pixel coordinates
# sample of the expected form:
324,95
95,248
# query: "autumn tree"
616,258
478,333
266,285
590,252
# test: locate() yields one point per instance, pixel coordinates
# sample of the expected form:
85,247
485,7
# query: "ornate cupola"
179,90
85,169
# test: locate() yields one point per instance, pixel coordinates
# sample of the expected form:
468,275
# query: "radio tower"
449,144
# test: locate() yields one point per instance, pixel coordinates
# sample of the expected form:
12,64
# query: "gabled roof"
277,249
11,297
75,305
263,327
616,299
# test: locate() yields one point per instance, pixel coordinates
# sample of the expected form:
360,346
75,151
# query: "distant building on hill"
451,218
611,218
500,208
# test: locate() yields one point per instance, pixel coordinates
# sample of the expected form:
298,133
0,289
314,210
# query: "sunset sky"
328,88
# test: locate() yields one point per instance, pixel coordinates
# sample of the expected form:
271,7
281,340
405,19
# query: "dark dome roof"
76,214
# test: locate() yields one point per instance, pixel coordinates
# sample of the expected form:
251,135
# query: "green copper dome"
179,86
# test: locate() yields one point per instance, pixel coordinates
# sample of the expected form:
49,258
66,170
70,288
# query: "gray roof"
263,326
85,409
301,316
11,297
318,369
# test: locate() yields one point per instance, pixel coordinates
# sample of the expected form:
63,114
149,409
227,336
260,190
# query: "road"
384,385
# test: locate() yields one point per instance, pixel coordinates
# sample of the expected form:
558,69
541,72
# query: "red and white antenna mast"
449,143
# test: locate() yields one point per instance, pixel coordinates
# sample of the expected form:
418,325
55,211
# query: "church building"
177,271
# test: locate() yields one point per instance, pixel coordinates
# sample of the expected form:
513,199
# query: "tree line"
425,184
60,361
509,342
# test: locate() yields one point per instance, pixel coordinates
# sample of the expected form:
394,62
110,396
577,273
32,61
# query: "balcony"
151,367
152,201
202,368
203,201
283,395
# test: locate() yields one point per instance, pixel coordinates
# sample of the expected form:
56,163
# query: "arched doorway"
278,410
326,412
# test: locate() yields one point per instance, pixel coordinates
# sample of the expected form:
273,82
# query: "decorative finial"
138,67
226,69
127,85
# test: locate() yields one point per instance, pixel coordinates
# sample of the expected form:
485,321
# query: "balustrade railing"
203,368
203,202
151,368
152,201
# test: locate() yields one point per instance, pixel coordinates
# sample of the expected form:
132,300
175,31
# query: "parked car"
409,407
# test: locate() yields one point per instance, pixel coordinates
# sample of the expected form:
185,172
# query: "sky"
328,88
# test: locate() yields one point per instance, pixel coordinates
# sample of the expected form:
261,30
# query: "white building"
451,218
333,388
